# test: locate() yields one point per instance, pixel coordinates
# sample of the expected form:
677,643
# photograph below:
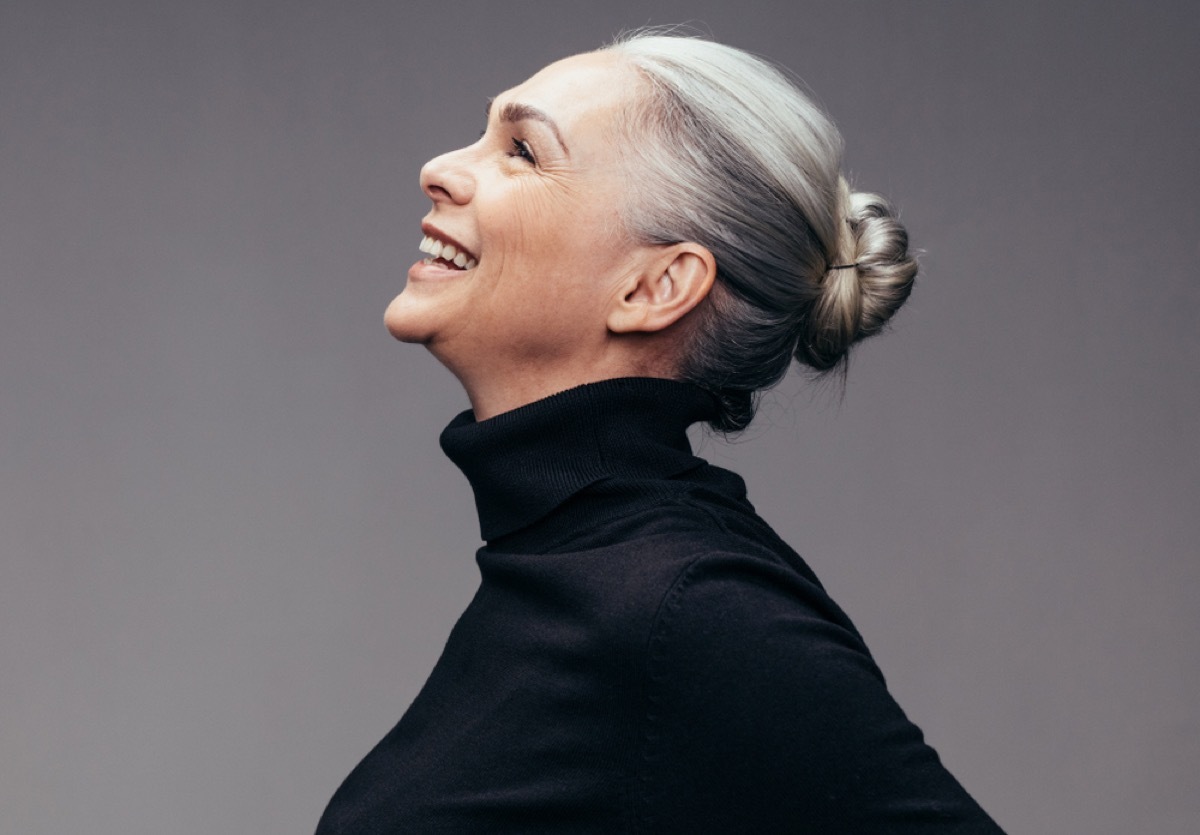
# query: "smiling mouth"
446,255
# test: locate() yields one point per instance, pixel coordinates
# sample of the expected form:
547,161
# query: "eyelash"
520,149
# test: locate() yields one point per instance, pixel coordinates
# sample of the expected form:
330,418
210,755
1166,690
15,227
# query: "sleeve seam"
642,813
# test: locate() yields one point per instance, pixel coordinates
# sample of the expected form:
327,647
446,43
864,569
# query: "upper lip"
433,232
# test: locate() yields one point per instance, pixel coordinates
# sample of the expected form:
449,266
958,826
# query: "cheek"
538,226
551,259
568,244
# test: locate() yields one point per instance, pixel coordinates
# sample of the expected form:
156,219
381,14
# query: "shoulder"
735,578
744,617
700,576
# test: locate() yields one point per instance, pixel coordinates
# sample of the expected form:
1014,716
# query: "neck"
504,386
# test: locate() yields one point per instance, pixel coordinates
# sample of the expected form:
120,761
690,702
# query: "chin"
405,322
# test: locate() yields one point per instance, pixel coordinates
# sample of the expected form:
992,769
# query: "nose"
448,179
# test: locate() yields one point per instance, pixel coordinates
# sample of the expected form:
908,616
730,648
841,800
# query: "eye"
520,148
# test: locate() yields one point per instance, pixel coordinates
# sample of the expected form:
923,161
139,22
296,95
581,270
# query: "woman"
643,238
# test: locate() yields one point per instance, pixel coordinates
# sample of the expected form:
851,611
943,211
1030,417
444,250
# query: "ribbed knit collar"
524,463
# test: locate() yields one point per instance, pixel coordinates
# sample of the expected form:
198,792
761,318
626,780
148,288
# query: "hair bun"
856,302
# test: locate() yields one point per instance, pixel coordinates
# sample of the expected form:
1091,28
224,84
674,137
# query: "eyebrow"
518,112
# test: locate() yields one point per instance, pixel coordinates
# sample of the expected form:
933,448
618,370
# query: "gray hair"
727,152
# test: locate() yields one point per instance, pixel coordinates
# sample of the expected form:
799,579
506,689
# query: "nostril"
446,178
448,189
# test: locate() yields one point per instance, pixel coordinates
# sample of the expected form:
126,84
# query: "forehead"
580,89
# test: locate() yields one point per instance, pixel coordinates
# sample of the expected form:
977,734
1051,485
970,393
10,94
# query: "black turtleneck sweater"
643,655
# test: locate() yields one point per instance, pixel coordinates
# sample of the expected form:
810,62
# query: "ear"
668,285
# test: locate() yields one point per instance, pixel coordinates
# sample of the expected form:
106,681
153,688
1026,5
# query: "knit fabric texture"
643,655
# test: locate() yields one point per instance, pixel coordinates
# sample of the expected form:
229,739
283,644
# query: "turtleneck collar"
524,463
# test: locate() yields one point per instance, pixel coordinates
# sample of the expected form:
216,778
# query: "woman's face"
532,212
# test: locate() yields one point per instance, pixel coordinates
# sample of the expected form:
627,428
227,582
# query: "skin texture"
560,295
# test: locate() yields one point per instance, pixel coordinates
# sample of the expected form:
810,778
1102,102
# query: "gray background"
231,549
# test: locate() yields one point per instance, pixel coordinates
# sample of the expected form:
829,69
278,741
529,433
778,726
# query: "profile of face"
527,256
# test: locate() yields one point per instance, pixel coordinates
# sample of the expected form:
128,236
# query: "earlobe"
671,283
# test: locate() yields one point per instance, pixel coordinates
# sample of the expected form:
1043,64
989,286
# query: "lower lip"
421,271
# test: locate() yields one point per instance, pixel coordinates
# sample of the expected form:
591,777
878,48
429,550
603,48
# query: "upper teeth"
447,252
